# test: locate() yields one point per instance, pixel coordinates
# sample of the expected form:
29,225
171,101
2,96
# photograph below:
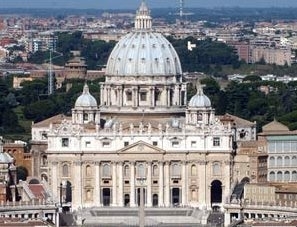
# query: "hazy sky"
132,4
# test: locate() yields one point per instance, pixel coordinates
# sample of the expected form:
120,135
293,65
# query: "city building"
19,151
282,152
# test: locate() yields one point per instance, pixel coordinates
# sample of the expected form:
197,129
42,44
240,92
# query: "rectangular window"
193,144
65,142
105,144
44,136
216,141
126,144
175,144
143,96
155,143
88,143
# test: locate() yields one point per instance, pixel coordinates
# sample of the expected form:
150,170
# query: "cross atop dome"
143,20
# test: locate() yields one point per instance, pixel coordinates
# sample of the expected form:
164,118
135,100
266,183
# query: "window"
175,170
44,160
155,143
88,143
193,144
157,95
106,170
65,142
141,170
126,143
44,135
129,95
216,169
105,144
88,171
216,141
143,96
279,161
86,117
193,170
65,171
126,171
271,161
155,170
175,144
287,176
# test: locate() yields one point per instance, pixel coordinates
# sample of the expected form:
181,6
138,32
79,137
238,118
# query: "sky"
133,4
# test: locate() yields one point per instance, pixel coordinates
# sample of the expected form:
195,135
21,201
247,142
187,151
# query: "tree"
22,173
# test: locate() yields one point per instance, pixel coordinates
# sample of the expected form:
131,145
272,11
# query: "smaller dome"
200,99
86,99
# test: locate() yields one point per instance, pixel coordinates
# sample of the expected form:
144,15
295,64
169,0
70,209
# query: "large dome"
86,99
143,52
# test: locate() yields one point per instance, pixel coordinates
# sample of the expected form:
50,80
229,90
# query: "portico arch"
216,192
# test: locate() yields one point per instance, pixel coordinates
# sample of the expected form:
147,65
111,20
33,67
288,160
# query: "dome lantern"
143,19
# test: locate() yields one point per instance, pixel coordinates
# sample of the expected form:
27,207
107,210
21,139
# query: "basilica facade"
143,135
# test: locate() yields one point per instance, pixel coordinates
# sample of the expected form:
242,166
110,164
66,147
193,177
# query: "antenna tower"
50,76
181,8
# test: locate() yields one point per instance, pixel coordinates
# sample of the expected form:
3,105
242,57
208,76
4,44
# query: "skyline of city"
131,4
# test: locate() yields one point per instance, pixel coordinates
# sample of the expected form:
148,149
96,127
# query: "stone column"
203,183
55,185
120,182
78,185
161,184
132,185
168,96
101,94
167,185
114,184
149,184
152,96
184,184
97,190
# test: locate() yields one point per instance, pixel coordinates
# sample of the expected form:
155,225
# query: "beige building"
271,55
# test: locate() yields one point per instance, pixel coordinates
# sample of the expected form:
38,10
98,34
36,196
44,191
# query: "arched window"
126,171
294,176
88,170
271,161
89,195
194,195
272,176
106,170
294,161
155,170
65,170
86,117
216,168
175,170
44,177
44,160
279,161
287,161
193,170
279,176
287,176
